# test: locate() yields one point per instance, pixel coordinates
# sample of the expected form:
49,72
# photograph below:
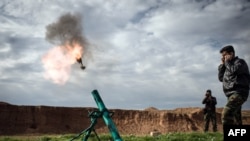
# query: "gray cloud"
144,53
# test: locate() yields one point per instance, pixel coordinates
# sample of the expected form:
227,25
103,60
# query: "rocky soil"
18,120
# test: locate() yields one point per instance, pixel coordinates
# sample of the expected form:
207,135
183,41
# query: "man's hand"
222,60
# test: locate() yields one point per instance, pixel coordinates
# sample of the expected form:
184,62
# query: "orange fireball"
58,61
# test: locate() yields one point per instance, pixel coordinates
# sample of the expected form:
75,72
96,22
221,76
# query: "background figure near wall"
209,111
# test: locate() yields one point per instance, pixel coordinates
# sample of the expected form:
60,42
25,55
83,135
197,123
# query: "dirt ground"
16,119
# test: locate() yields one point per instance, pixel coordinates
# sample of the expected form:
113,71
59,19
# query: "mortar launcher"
102,112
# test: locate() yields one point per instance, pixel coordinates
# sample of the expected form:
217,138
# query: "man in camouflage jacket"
235,77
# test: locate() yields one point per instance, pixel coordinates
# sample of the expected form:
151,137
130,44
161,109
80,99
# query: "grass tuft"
194,136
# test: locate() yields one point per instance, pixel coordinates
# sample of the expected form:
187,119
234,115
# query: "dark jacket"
209,104
235,76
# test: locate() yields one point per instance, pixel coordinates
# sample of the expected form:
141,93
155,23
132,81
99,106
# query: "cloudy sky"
140,53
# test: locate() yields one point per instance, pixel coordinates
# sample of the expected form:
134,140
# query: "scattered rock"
155,133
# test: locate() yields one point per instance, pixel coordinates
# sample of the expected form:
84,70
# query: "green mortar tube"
106,116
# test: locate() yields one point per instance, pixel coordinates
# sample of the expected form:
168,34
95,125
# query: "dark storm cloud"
22,68
18,44
160,53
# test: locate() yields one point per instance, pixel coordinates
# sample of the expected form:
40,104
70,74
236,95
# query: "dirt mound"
16,119
151,109
4,103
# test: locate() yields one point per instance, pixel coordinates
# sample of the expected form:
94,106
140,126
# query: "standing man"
209,111
235,77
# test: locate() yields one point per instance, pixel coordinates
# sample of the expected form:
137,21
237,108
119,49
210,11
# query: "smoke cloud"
70,46
67,29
